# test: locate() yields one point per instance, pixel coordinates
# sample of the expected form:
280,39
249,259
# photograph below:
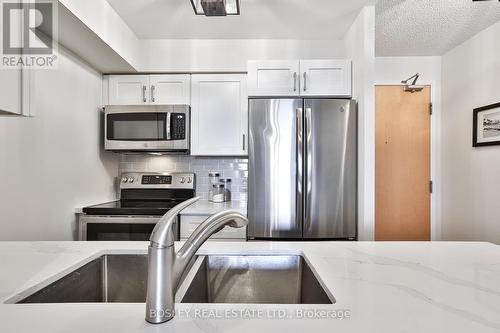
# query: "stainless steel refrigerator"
302,169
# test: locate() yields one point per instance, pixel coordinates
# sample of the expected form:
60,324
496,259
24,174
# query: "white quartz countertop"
205,207
384,287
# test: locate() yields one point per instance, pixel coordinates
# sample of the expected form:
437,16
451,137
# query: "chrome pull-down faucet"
167,267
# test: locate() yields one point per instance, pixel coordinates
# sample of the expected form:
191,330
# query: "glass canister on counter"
218,191
227,188
213,179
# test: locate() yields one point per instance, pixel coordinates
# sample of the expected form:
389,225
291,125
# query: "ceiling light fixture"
216,7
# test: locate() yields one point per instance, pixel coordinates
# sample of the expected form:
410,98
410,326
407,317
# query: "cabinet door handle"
295,81
144,94
244,143
305,81
152,94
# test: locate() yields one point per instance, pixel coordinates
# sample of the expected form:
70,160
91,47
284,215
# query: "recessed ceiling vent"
216,7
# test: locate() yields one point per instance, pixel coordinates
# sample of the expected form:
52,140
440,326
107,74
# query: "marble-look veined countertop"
385,287
205,207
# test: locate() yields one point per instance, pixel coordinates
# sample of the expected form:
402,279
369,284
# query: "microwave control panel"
178,126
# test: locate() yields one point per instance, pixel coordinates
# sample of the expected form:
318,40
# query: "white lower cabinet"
219,115
190,222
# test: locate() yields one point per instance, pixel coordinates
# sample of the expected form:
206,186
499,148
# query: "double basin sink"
211,279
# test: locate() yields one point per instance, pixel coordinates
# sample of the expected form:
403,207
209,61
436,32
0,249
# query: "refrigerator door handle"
308,168
300,166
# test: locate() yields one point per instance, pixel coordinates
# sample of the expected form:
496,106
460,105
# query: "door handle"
169,119
153,94
308,166
144,94
305,81
295,81
300,165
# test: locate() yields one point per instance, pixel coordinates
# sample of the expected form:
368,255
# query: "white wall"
392,70
360,47
210,55
471,176
53,163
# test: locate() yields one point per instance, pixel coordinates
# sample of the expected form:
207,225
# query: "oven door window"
123,231
119,232
146,126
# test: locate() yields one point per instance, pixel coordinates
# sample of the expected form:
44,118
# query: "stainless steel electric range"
144,199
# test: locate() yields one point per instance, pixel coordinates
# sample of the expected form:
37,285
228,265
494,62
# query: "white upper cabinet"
325,78
11,87
170,89
272,78
149,89
219,115
128,89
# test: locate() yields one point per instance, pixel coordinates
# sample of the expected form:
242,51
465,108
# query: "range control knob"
182,180
125,179
131,180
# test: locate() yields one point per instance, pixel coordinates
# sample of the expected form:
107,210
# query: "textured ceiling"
271,19
403,27
429,27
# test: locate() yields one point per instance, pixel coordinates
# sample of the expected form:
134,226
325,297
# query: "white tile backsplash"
234,168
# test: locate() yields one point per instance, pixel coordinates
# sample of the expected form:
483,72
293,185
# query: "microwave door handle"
169,117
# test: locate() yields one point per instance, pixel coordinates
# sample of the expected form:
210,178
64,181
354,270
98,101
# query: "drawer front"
190,223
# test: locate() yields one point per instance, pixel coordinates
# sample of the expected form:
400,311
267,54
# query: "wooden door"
325,78
403,152
219,115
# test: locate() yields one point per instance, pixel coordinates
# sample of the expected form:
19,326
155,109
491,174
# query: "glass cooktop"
132,207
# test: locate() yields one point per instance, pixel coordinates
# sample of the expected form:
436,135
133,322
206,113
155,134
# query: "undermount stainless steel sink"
110,278
211,279
253,279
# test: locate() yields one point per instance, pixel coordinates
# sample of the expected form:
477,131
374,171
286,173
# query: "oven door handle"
167,125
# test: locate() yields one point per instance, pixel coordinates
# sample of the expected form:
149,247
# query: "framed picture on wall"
486,122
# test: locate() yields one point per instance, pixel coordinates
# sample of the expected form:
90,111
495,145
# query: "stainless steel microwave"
147,128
